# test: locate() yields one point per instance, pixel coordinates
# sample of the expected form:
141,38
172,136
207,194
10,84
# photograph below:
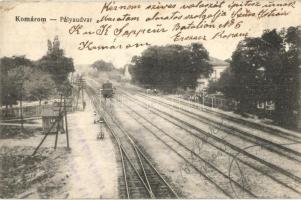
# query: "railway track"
218,179
259,163
267,129
140,178
264,143
280,149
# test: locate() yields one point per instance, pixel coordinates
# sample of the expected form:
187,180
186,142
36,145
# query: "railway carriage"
107,90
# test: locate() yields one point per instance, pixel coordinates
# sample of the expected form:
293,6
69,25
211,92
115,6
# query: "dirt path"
89,170
92,162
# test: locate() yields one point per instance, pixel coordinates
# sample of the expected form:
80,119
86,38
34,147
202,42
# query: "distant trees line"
101,65
170,67
24,79
106,71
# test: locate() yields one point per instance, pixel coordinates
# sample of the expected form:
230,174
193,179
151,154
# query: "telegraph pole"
81,82
66,124
21,99
59,118
299,99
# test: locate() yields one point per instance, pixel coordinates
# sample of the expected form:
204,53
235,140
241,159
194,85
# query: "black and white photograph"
137,99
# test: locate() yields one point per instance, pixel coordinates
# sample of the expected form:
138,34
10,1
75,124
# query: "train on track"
107,90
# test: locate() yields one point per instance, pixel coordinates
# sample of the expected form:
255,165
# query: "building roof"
217,62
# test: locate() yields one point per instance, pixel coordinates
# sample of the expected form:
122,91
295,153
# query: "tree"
56,64
288,94
101,65
250,85
266,69
12,77
38,85
169,67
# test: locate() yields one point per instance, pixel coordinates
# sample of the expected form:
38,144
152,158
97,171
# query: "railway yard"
168,147
140,145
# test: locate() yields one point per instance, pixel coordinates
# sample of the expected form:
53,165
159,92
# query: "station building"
219,66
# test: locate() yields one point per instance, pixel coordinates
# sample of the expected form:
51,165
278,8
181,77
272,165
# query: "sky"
30,39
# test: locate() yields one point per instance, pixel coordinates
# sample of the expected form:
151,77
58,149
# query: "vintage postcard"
163,99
